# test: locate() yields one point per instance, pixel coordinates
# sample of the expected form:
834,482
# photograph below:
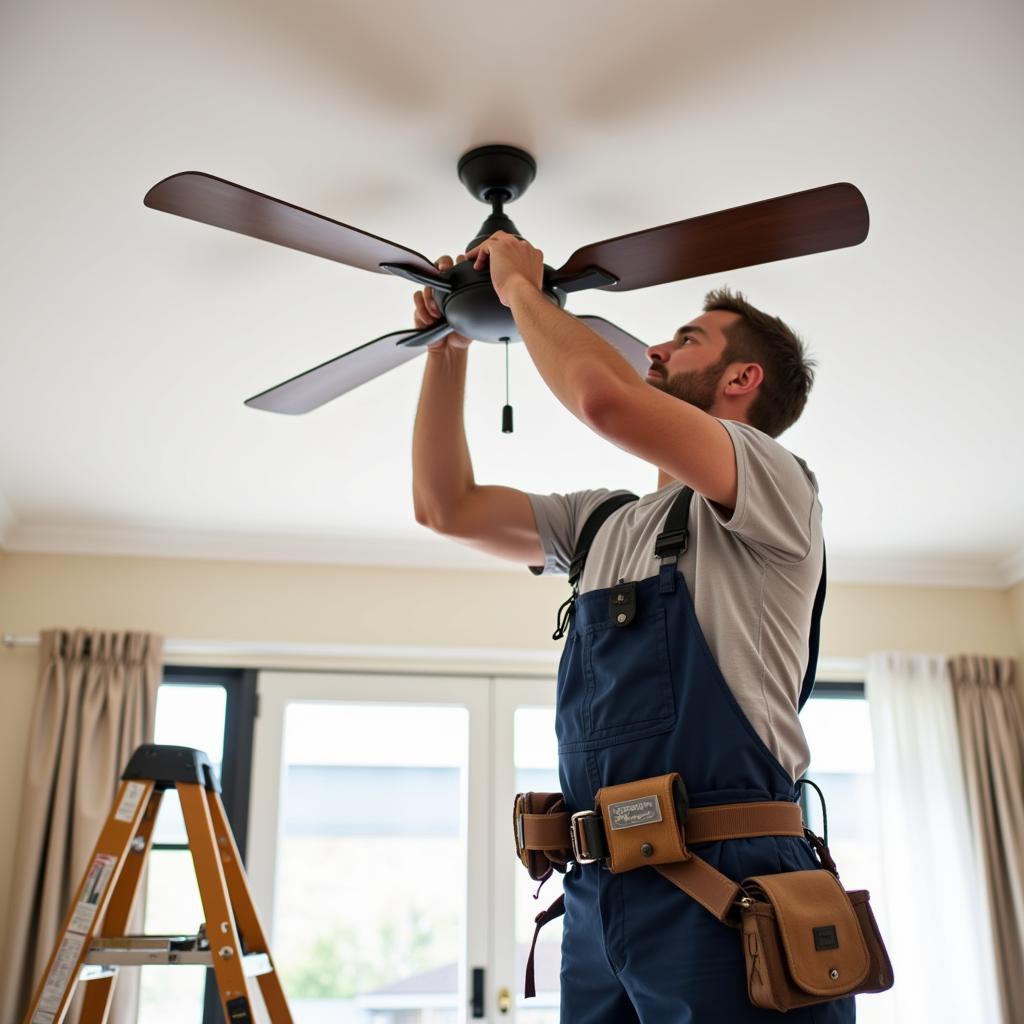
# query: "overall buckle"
587,840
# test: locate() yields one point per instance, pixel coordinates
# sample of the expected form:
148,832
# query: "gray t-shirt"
752,575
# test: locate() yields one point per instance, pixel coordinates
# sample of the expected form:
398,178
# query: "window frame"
848,690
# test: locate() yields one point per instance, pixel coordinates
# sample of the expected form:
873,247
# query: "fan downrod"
495,175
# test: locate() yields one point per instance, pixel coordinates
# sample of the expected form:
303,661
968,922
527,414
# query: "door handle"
478,993
504,1000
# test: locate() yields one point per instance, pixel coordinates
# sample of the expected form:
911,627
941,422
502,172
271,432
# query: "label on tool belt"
644,810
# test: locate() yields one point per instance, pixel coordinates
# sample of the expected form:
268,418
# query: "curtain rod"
844,668
279,649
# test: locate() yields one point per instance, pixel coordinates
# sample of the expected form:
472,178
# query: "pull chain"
506,413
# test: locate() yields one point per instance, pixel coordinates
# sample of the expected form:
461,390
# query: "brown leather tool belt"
806,940
646,823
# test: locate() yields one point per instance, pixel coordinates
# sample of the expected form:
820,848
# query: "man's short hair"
759,338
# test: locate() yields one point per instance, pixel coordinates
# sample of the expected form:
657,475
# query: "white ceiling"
130,338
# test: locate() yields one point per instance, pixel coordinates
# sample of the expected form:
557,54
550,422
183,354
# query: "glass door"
369,825
525,760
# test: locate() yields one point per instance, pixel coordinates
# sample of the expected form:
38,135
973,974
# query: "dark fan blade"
329,380
632,349
211,200
831,217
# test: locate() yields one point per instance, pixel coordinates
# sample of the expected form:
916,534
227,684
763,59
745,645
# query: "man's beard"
698,387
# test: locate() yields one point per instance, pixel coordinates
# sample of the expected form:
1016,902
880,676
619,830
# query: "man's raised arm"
446,497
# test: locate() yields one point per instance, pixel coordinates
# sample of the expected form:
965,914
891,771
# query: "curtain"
95,704
990,715
934,916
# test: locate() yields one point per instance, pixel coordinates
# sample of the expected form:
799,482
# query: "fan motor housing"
473,308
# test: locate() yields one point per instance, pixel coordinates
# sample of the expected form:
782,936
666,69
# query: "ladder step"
179,943
112,952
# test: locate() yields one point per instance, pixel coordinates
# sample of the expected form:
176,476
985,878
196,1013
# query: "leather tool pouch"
535,810
806,940
644,821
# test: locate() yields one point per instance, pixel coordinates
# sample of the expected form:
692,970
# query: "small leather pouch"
805,941
880,976
540,822
644,821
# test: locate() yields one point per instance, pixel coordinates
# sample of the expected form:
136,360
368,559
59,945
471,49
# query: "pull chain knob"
506,412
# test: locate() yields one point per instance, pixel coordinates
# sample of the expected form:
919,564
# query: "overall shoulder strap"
594,523
673,540
675,536
812,660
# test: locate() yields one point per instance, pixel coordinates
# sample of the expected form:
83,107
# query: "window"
212,710
370,856
372,829
536,770
838,730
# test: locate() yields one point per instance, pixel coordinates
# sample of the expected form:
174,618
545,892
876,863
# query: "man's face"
690,366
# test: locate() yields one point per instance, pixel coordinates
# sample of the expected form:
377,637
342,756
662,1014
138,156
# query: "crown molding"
1013,567
919,571
433,552
428,552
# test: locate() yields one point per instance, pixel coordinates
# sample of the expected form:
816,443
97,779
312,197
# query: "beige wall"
1017,613
198,600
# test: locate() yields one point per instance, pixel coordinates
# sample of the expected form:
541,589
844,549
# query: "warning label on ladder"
95,885
130,801
65,963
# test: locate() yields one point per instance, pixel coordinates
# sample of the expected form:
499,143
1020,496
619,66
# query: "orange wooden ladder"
92,945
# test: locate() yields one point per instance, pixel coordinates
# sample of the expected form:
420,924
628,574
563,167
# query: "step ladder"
92,947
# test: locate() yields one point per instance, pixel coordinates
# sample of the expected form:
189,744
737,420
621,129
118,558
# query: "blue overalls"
643,698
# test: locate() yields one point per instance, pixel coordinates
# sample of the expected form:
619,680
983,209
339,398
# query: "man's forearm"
577,364
442,473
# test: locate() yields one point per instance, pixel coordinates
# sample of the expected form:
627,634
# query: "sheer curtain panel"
934,917
96,703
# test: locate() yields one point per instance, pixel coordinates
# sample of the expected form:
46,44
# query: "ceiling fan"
818,220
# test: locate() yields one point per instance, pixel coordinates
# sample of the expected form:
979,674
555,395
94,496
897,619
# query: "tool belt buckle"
578,837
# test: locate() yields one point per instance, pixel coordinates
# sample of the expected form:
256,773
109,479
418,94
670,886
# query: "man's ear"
743,378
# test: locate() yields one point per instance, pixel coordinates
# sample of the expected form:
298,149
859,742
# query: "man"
705,677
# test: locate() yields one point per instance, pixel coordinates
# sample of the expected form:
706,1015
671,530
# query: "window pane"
191,716
172,908
536,770
371,864
838,731
187,716
843,763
